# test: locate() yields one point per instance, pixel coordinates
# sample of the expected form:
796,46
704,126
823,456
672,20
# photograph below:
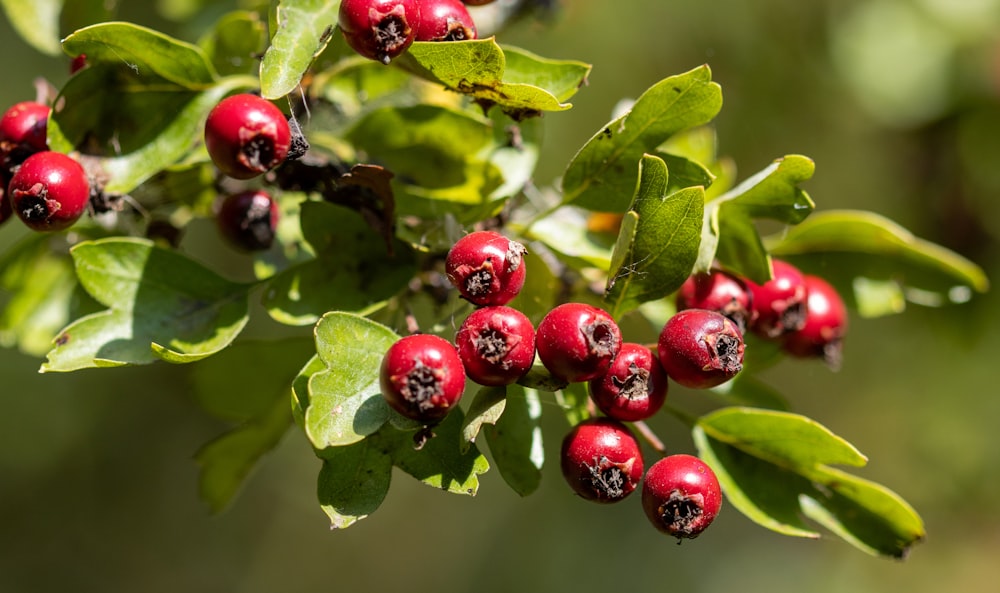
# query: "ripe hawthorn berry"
248,220
49,191
246,136
486,268
634,387
700,348
577,342
779,305
826,323
681,496
496,345
379,29
601,460
422,377
720,291
444,20
24,126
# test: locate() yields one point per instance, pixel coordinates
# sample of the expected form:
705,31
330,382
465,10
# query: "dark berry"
577,342
422,377
246,136
601,460
49,191
635,386
778,305
826,323
477,2
496,345
5,208
700,348
248,220
379,29
681,496
79,63
445,20
486,268
718,291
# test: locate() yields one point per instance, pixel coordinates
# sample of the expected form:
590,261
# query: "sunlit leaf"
304,28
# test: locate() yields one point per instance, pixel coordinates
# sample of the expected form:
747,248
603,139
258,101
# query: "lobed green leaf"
304,29
441,463
353,482
486,408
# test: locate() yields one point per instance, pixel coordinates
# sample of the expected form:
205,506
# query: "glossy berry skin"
496,345
25,126
422,377
486,268
778,305
246,136
50,191
379,29
681,496
635,386
444,20
718,291
601,460
826,323
577,342
700,348
248,220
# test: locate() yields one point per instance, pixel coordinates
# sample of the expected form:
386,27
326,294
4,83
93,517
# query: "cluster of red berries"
383,29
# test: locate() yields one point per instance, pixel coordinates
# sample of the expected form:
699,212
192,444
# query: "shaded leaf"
304,29
353,482
234,44
486,408
515,441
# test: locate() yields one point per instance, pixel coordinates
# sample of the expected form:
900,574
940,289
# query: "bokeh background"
898,102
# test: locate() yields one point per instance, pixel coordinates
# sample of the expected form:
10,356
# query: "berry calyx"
379,29
681,496
496,345
826,323
601,460
49,191
779,305
422,377
717,291
634,387
486,268
444,20
24,126
577,342
248,220
246,136
700,348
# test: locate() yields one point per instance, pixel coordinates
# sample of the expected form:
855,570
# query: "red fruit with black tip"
379,29
25,126
826,324
486,268
601,460
247,136
496,345
779,305
700,348
681,496
577,342
248,220
422,377
634,387
720,291
444,20
49,191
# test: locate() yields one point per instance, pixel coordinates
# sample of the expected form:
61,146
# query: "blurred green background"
898,102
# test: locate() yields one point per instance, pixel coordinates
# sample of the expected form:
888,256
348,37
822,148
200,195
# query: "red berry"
486,267
779,305
248,220
25,126
700,348
577,342
379,29
826,323
49,191
422,377
246,136
496,345
78,63
601,460
717,291
635,386
681,496
444,20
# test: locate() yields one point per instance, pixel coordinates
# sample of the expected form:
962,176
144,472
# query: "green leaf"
565,232
37,22
345,401
515,441
602,174
304,29
440,463
353,482
234,44
486,408
574,401
881,261
300,389
658,241
162,306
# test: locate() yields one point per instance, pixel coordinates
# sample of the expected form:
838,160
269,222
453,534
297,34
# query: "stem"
647,433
